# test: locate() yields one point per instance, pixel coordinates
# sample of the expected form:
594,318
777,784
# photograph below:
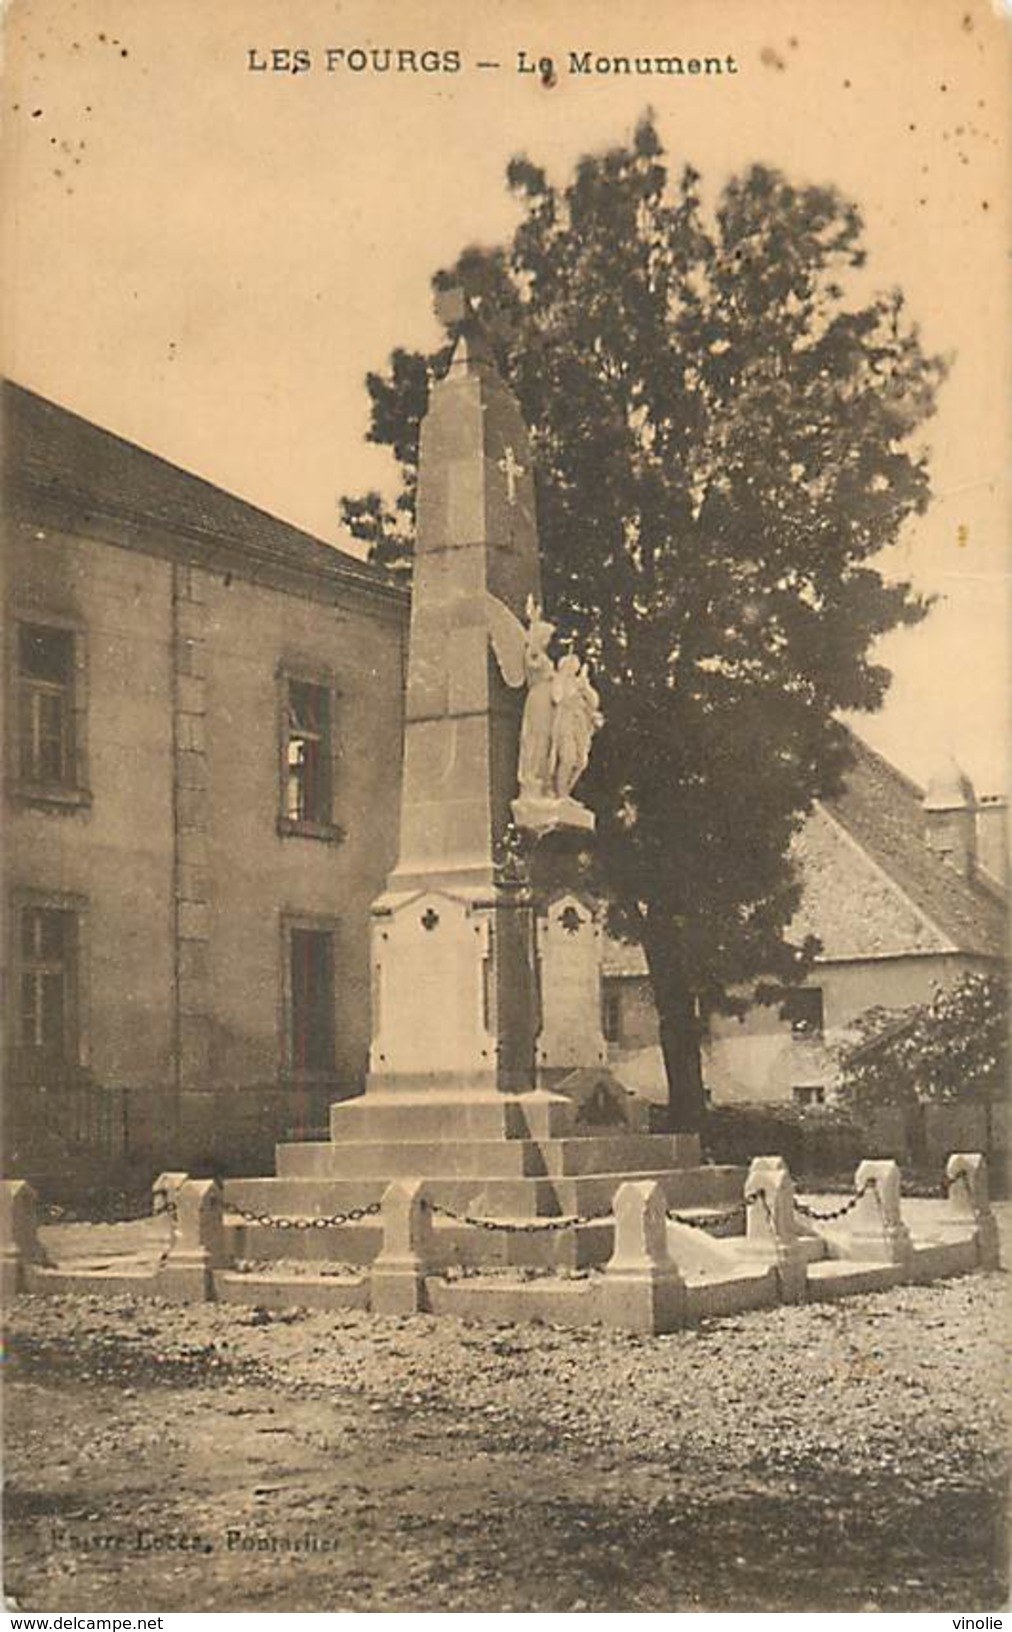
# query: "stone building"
203,735
906,890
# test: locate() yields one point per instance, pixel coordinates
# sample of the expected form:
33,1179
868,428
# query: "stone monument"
454,983
496,736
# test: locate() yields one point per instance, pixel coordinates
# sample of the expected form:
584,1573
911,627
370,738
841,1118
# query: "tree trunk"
678,1022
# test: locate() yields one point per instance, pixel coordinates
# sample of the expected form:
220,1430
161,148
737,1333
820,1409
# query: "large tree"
722,445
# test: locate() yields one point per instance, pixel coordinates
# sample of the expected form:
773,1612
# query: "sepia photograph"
504,846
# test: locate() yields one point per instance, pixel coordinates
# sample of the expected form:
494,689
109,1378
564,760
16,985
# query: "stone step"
273,1289
433,1117
459,1158
391,1118
577,1247
487,1195
836,1278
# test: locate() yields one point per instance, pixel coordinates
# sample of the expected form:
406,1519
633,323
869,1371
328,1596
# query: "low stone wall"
665,1272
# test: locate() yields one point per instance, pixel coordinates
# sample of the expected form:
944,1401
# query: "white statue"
575,718
561,711
533,769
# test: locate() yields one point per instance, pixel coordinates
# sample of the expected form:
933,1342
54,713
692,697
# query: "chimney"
992,838
950,821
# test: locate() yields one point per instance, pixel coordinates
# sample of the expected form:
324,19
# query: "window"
47,986
46,705
611,1012
307,753
810,1094
802,1008
311,1008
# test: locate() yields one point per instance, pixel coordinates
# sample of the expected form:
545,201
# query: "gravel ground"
835,1457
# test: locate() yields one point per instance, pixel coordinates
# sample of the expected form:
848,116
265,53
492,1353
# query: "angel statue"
576,716
561,710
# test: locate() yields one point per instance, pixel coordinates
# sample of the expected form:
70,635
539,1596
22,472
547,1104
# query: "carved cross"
511,470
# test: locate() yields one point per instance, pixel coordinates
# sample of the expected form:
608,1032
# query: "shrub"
954,1048
816,1140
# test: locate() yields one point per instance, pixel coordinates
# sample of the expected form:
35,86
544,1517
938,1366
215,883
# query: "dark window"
312,1010
802,1009
46,704
611,1013
48,984
307,753
810,1094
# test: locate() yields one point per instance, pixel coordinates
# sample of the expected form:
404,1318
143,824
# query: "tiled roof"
54,454
881,810
914,904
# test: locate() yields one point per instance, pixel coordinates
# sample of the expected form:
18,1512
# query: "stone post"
397,1282
198,1244
642,1289
165,1190
771,1230
970,1204
874,1230
19,1234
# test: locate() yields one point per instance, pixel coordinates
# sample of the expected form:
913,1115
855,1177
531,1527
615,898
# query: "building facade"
906,891
202,737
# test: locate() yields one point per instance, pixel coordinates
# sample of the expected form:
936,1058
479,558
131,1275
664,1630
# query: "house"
905,889
202,761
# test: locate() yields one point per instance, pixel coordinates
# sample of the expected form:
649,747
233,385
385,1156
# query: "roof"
57,457
949,789
882,811
876,889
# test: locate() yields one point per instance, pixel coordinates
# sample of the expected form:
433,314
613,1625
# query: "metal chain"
837,1212
354,1215
538,1226
711,1219
168,1210
761,1196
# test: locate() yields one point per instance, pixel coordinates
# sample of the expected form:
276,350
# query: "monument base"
480,1155
544,816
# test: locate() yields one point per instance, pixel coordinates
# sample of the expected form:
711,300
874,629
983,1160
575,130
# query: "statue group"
561,711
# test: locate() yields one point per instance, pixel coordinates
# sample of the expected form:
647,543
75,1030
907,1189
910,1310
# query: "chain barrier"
537,1226
824,1217
711,1220
761,1196
354,1215
164,1206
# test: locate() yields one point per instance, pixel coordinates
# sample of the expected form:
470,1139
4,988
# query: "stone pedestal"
643,1290
771,1231
397,1282
546,816
454,991
569,957
874,1232
198,1243
19,1234
970,1206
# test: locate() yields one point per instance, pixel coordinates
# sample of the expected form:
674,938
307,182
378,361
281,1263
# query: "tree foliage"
722,447
953,1048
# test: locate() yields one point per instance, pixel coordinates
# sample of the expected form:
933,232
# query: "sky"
207,257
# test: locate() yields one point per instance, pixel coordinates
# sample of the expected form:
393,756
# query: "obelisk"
454,982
